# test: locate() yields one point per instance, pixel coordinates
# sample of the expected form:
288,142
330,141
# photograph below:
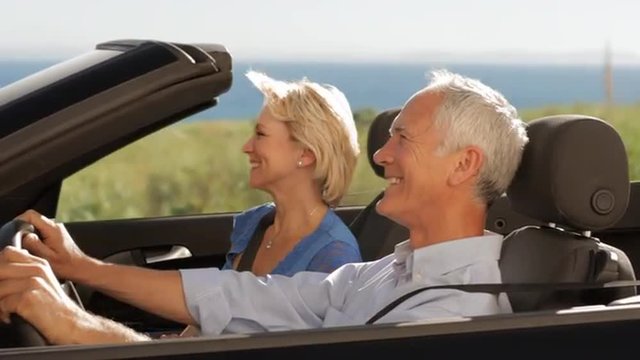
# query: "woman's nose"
248,146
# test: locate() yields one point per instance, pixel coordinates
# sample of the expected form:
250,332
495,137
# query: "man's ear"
469,161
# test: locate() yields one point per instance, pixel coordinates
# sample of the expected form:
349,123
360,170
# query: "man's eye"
259,133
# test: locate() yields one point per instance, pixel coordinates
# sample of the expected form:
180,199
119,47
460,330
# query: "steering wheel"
19,333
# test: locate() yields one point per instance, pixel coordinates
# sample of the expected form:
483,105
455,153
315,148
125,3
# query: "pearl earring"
299,163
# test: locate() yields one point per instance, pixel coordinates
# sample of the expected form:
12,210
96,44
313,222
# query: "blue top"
328,247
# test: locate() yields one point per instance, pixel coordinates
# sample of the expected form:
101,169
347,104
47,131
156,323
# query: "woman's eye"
259,133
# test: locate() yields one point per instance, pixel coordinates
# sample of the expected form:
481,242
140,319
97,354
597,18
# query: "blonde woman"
303,153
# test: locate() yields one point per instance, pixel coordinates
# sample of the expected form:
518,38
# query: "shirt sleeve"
240,302
334,255
442,304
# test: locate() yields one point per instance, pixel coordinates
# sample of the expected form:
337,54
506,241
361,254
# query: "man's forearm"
93,329
155,291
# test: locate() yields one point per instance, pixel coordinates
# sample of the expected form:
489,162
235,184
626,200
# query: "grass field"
198,167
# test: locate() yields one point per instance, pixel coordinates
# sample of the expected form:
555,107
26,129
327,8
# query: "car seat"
573,179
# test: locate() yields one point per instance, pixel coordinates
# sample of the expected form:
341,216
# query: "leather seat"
573,179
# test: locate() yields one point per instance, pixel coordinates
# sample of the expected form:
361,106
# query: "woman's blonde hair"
320,118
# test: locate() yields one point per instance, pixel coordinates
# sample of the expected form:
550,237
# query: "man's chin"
384,207
391,208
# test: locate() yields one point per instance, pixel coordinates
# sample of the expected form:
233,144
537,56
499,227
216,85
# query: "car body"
57,122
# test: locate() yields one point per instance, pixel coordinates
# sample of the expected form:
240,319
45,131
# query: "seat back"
574,179
377,235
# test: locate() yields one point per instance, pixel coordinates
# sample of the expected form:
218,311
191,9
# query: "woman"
303,153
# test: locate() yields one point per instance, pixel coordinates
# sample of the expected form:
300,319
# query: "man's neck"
456,223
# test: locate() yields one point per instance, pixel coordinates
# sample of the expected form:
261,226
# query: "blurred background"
547,57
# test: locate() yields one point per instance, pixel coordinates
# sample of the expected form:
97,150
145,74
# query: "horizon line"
499,57
377,61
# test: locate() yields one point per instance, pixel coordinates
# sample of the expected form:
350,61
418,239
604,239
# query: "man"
454,147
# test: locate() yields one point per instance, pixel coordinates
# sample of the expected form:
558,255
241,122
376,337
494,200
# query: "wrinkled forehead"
418,113
396,125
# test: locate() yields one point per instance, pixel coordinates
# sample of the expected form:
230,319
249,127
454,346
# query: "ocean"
381,86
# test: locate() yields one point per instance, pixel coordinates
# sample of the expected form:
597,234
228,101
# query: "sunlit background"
547,57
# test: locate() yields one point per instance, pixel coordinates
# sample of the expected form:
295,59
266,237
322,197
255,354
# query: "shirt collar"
441,258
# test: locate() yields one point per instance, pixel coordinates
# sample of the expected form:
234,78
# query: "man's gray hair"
472,113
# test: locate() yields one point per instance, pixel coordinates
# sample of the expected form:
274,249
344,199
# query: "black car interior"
574,179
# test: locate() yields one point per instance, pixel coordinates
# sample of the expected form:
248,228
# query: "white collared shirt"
239,302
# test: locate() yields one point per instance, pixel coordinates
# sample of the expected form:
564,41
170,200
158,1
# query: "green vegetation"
188,168
198,167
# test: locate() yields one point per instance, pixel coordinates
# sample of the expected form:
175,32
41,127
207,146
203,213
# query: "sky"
335,30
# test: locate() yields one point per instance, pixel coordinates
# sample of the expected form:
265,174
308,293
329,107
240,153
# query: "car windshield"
57,71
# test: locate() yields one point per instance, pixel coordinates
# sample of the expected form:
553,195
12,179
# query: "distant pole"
608,76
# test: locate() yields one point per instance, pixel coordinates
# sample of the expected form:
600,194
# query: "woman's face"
273,154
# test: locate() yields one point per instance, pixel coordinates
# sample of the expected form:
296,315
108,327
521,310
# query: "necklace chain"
270,241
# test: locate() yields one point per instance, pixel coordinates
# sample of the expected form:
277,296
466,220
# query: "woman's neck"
297,215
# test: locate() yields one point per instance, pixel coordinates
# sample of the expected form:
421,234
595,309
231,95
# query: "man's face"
416,173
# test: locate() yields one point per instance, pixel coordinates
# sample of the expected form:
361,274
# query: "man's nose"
382,157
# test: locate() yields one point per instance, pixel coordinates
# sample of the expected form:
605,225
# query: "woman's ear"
469,161
307,158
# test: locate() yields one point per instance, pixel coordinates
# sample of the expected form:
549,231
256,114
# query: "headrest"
378,136
574,173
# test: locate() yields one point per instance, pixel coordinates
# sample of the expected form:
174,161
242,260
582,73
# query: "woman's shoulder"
333,255
337,229
338,242
329,246
245,224
254,213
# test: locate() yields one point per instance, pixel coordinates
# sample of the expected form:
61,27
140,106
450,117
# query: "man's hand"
156,291
56,246
29,288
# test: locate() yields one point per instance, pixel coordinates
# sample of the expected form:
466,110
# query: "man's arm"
240,302
155,291
87,328
29,288
158,292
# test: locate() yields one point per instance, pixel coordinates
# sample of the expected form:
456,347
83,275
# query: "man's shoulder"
370,268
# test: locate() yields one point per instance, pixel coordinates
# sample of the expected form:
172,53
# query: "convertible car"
571,217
